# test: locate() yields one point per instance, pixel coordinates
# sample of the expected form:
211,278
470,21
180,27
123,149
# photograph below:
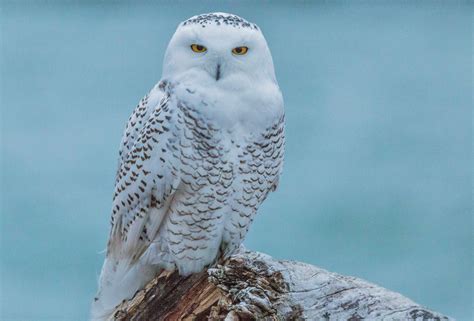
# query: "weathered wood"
254,286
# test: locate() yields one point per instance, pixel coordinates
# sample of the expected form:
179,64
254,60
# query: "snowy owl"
199,154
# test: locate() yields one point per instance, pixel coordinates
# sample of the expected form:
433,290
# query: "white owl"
200,153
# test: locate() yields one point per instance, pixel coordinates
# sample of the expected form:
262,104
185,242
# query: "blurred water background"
377,181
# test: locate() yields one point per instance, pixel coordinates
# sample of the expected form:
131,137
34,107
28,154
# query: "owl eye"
240,50
198,48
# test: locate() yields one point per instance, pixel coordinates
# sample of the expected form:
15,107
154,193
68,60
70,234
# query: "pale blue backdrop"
377,180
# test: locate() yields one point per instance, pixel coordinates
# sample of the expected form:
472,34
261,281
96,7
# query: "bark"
254,286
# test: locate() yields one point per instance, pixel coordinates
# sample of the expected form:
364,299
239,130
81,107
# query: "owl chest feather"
224,174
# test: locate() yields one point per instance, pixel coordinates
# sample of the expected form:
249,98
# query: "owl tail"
119,280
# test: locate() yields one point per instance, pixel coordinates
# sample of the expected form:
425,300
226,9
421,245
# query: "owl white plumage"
200,153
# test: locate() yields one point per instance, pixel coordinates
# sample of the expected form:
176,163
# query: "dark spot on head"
218,19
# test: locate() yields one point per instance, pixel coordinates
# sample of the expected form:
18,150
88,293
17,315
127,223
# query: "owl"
199,155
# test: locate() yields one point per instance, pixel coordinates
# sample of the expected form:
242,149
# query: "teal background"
377,180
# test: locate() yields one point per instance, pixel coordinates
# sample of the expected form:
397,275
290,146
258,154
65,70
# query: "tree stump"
254,286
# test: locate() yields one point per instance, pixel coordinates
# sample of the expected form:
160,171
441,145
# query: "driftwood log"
254,286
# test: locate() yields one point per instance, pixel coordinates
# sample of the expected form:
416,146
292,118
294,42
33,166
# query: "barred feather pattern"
186,190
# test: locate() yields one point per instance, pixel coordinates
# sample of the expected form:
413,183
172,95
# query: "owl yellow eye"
198,48
240,50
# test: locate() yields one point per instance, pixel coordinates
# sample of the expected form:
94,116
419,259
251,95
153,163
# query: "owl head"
218,49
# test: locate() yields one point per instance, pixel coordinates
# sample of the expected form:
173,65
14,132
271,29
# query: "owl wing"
144,182
135,124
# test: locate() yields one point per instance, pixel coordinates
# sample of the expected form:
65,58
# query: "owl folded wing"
144,182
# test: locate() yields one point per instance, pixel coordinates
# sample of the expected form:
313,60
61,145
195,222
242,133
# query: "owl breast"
224,174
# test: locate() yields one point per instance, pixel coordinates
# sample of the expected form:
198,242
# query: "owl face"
218,49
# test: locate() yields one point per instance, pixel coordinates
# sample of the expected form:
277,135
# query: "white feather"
199,155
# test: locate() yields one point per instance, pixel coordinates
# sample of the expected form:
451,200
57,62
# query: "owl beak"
218,72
